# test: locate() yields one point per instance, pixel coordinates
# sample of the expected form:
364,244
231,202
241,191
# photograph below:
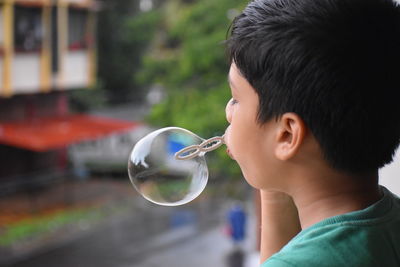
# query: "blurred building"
46,48
46,45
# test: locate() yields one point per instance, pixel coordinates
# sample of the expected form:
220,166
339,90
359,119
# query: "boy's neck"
319,197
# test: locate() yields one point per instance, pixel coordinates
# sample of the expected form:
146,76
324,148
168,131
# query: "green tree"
123,35
188,59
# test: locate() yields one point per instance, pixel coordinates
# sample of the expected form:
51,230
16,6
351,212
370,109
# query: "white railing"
389,175
26,72
76,68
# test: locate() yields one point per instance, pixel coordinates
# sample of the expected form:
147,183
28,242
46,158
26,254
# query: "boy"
313,116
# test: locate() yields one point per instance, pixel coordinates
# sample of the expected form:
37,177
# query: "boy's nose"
228,111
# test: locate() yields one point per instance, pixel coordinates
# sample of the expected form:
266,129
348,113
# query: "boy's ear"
291,130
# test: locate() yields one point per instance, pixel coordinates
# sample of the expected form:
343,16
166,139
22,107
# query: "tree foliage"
123,36
188,58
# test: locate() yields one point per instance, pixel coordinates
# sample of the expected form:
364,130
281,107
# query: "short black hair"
335,63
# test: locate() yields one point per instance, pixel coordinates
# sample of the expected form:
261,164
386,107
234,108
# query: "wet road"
146,236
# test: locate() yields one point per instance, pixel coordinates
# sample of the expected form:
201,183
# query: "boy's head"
334,63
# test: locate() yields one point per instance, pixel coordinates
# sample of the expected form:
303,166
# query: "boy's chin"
252,180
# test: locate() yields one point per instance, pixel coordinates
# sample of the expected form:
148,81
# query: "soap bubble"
161,178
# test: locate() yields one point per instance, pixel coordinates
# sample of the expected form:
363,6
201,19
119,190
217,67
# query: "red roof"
44,134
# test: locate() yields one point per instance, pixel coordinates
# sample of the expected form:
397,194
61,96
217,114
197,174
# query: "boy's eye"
233,101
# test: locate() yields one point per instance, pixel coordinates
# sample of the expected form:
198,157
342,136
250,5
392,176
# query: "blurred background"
81,81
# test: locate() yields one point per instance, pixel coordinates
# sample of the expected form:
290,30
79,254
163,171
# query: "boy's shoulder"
362,238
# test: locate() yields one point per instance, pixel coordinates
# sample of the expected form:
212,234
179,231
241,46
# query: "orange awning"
44,134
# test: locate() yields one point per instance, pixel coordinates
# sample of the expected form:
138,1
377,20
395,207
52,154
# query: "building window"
28,30
77,29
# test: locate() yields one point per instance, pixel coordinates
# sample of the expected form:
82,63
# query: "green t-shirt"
368,237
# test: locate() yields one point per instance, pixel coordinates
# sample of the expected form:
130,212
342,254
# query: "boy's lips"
226,137
229,153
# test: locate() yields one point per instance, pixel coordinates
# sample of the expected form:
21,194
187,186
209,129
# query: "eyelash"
233,101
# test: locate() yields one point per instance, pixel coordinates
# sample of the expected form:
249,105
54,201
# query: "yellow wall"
8,47
45,57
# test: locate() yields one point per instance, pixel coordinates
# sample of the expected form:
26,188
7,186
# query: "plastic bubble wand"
193,151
